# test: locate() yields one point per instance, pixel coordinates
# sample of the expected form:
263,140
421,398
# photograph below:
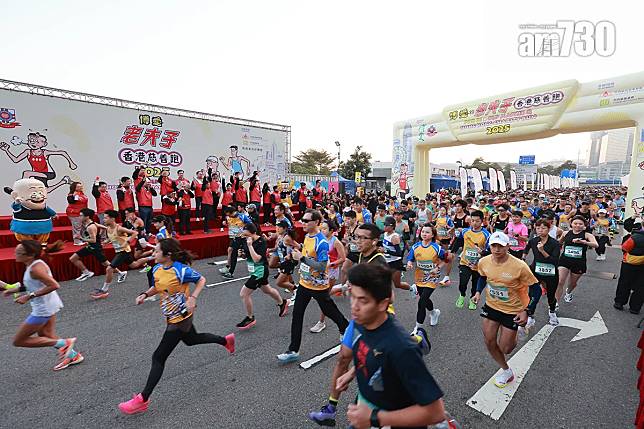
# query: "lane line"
319,358
491,400
227,281
226,260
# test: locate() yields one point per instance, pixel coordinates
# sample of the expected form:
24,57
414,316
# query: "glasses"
362,237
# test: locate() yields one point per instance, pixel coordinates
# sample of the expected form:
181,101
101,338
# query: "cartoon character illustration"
38,159
234,162
402,180
31,216
266,164
638,206
212,163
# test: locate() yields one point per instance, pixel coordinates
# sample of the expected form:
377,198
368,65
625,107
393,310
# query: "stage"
201,244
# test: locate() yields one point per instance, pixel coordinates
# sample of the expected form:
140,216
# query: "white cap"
542,196
499,238
602,211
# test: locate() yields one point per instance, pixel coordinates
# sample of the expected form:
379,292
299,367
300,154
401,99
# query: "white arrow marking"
319,358
492,401
595,326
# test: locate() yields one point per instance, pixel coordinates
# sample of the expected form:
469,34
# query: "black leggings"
464,275
327,305
184,221
174,333
551,283
602,240
424,303
237,243
268,211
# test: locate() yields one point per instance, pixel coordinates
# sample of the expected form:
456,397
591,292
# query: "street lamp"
337,143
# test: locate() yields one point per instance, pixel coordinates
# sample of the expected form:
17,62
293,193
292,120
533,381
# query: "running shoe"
423,343
568,297
433,317
145,269
283,307
530,323
504,378
318,327
65,362
227,275
99,294
78,243
413,290
66,350
324,417
135,405
618,306
247,323
85,276
121,277
460,302
230,343
553,320
471,305
445,282
522,333
289,356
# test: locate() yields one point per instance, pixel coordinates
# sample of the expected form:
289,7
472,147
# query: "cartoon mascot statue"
32,219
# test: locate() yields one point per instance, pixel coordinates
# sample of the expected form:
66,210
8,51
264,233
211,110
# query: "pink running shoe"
135,405
230,343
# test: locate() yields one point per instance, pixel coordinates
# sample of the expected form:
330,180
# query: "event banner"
402,169
58,141
463,175
513,180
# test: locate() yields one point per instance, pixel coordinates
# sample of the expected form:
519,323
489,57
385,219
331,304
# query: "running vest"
500,224
574,251
391,248
119,241
45,305
459,222
353,247
333,253
564,222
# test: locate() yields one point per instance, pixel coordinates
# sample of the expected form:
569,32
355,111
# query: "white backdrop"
108,141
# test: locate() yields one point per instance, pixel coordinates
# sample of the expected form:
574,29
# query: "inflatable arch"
529,114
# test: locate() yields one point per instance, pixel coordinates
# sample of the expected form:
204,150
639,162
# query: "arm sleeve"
534,293
480,285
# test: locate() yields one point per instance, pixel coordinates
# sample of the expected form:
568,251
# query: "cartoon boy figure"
403,180
38,159
234,162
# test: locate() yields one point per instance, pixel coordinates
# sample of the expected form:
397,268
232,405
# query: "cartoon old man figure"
32,219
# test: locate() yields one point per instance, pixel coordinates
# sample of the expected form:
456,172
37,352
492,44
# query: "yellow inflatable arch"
529,114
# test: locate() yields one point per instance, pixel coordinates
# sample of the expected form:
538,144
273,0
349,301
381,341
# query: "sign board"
63,140
526,159
358,177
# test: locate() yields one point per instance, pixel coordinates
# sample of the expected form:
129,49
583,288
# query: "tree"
358,161
556,171
483,165
312,161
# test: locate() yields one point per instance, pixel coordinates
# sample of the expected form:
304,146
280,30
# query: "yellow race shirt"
564,222
443,225
315,247
472,239
600,227
507,284
427,272
172,285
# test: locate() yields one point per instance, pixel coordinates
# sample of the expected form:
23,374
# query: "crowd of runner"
363,247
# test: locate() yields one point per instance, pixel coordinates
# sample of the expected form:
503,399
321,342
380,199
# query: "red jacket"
79,202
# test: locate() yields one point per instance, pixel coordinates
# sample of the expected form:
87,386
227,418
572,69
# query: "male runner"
474,244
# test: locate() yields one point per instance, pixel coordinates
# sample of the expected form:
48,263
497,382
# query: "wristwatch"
32,295
375,423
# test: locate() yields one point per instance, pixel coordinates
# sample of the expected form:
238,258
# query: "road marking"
319,358
492,401
604,275
227,281
225,261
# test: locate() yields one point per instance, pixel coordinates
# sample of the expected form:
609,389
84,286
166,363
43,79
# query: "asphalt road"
583,384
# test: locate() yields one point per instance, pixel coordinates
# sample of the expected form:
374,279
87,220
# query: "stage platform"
201,244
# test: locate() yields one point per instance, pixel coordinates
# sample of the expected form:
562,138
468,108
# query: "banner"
478,180
494,180
402,166
501,177
463,173
60,141
513,180
525,183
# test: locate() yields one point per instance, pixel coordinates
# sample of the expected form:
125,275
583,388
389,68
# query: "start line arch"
535,113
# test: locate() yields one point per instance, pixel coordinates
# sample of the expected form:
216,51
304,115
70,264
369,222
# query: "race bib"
251,268
573,252
498,292
426,266
601,230
544,269
472,255
442,232
305,269
565,226
514,242
525,221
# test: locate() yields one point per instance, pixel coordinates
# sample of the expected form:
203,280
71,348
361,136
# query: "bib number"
544,269
573,252
472,255
442,232
498,292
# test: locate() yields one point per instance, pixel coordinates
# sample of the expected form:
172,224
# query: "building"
610,146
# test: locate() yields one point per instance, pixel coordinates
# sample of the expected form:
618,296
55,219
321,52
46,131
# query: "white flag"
463,174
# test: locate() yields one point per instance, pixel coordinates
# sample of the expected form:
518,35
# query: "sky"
333,70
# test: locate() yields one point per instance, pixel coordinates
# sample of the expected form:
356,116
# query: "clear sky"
333,70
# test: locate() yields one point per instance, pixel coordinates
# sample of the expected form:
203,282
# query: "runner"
474,244
564,218
461,222
258,271
286,242
572,262
393,248
313,261
507,301
350,242
235,222
39,329
395,389
629,286
545,251
600,227
89,235
172,278
444,229
429,258
500,219
337,257
119,237
518,233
